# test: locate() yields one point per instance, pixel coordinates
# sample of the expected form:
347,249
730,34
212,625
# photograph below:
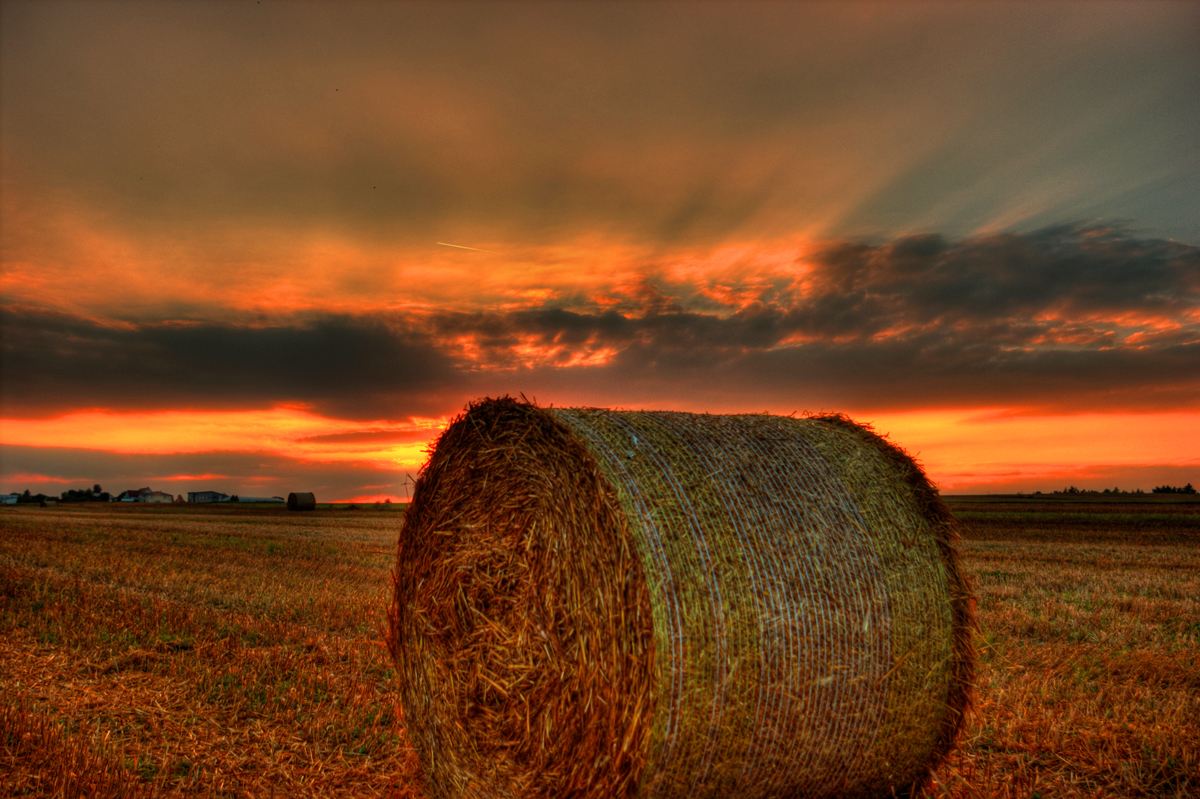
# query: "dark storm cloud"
876,376
933,372
1066,282
350,367
255,474
1005,288
1063,319
659,121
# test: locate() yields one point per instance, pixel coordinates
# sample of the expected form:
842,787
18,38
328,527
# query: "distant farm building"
144,495
207,496
261,499
133,495
9,499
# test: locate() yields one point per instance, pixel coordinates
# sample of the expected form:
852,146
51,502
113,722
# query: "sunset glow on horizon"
922,215
964,451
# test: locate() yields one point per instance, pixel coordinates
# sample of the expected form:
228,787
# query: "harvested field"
197,650
200,651
1089,681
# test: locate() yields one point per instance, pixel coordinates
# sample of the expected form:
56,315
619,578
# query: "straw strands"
594,603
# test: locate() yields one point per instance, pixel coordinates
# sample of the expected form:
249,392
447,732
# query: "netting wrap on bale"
653,604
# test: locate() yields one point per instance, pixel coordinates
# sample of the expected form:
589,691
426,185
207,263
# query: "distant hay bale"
301,501
594,603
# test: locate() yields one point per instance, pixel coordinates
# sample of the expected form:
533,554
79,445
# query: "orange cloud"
118,273
964,451
531,352
190,477
965,448
366,499
29,478
290,432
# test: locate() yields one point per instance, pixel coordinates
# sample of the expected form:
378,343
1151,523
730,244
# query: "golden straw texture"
618,604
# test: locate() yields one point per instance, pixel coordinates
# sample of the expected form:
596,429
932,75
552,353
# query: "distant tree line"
1187,489
93,494
34,498
1074,490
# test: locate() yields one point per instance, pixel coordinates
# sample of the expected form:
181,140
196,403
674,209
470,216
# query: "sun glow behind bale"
654,604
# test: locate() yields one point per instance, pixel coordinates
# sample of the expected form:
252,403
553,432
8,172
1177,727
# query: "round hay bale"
593,603
301,501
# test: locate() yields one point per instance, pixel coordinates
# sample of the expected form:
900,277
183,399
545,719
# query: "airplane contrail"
459,246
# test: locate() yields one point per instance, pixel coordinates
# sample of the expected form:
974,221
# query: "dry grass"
1090,674
205,652
187,652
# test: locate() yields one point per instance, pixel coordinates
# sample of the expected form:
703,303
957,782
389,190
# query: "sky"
263,247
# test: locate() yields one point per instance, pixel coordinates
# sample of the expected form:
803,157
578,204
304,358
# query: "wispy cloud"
372,436
393,126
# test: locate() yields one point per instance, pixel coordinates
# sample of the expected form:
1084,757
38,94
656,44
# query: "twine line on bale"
653,604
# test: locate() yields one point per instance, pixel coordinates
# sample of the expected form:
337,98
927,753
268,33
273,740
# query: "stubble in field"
186,651
1090,646
231,654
